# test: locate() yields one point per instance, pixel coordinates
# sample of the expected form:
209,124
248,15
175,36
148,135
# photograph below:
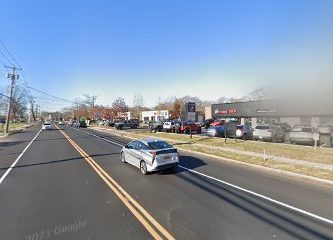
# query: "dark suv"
126,124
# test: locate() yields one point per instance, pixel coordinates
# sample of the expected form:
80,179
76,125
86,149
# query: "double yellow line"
152,226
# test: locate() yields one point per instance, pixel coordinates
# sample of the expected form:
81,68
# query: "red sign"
227,111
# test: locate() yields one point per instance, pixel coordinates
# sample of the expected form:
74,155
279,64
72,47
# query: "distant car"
126,124
207,122
217,123
46,126
150,155
82,124
61,123
302,135
271,133
155,126
215,131
326,135
188,127
169,126
285,126
244,132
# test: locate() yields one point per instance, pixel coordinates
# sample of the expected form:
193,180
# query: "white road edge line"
326,220
18,158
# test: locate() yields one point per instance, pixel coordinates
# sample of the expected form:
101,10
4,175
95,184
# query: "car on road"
150,155
302,135
126,124
271,133
244,131
46,126
215,131
61,123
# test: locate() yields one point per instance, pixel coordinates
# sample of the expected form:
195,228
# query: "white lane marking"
103,138
18,158
326,220
262,196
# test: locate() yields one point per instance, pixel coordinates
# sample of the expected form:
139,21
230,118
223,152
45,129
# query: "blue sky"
162,48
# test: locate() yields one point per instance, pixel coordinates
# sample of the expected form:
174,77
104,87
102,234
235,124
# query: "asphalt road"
71,185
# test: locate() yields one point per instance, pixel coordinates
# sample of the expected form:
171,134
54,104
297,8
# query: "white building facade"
155,115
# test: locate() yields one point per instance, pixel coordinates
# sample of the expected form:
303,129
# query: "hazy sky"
166,47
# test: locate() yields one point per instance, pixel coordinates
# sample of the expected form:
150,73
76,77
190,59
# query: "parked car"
61,123
325,135
126,124
244,132
302,135
272,133
285,127
75,124
207,122
215,131
46,126
150,155
169,126
187,127
155,126
217,123
82,124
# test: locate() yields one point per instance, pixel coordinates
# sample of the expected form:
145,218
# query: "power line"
5,57
11,55
63,99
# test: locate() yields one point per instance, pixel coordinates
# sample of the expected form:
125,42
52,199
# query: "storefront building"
268,111
154,115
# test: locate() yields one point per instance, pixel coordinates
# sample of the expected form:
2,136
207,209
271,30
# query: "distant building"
124,115
157,115
267,111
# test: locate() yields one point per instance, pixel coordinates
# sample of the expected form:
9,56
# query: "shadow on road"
58,161
12,143
292,223
186,161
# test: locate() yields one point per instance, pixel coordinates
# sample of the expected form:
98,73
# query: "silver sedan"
150,155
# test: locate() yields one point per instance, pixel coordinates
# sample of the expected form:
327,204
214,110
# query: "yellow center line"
138,211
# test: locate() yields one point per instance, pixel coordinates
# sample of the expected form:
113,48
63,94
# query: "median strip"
156,230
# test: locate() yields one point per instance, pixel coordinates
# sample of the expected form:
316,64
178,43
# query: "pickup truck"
126,124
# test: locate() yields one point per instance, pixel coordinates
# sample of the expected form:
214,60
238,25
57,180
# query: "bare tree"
137,105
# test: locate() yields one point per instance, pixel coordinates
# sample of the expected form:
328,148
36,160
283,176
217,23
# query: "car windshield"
297,129
159,145
263,127
240,127
307,129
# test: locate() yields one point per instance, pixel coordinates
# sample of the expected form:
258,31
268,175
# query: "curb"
253,166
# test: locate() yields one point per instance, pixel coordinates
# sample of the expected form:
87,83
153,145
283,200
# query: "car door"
129,152
137,154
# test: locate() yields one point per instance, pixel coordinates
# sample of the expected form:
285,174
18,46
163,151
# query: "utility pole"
93,100
12,76
32,101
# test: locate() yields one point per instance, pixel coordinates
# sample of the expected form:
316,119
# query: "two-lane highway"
70,184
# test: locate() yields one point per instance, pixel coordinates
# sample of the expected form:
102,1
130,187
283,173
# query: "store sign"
227,111
191,107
